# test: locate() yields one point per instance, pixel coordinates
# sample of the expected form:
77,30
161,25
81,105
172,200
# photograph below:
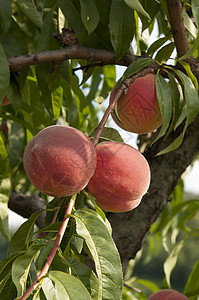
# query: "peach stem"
51,256
108,111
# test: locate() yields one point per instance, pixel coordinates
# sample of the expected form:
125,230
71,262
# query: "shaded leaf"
165,103
89,15
121,27
157,44
4,197
5,16
165,52
28,8
4,74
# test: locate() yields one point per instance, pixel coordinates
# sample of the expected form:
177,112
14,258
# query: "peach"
167,294
121,178
60,160
138,110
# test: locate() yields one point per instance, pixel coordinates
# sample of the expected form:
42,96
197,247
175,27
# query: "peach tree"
59,64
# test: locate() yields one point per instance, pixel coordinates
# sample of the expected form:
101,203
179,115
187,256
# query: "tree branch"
175,9
25,206
71,52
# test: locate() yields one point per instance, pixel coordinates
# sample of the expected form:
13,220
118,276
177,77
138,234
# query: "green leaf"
46,41
57,97
21,267
89,15
136,5
5,16
192,285
165,103
165,52
22,236
192,50
90,226
3,159
86,275
16,144
157,44
121,27
68,286
171,261
108,134
189,24
28,9
135,67
14,43
187,68
4,74
4,197
108,82
195,9
191,97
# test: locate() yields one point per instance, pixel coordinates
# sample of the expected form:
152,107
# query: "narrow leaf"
191,97
171,261
136,5
192,285
104,252
192,50
157,44
165,103
5,16
4,74
195,9
121,27
68,286
89,15
189,24
21,267
165,52
3,159
23,235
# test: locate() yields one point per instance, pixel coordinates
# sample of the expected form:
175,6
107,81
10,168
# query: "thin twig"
51,256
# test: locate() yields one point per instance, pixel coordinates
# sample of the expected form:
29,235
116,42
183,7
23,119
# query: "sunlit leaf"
105,255
68,286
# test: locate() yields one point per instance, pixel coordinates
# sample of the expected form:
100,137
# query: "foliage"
53,93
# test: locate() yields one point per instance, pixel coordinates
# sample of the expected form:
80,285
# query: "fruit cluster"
61,160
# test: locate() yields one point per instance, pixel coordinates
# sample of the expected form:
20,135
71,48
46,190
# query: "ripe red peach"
121,178
167,294
60,160
138,110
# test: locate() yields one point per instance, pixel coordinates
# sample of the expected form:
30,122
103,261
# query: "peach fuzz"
60,160
138,110
121,178
167,294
